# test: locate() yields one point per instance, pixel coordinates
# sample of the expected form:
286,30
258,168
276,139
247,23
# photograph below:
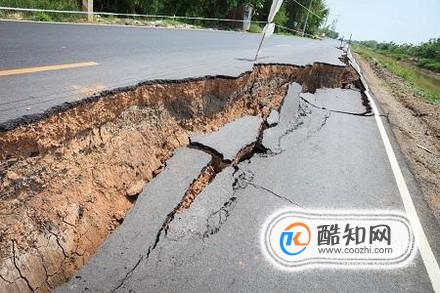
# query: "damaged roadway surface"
233,137
324,153
127,56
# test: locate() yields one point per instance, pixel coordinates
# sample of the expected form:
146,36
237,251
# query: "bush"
434,66
255,28
43,4
426,55
42,16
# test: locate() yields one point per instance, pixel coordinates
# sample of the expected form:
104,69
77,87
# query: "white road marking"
428,257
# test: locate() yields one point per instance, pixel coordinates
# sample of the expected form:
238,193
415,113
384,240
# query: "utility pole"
88,7
307,18
247,17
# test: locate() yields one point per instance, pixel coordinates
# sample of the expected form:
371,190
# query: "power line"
294,30
305,8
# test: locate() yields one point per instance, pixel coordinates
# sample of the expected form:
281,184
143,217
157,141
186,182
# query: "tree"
330,30
291,14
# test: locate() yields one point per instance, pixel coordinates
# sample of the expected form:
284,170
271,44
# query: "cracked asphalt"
127,56
324,153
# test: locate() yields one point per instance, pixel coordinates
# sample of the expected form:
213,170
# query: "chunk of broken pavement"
288,113
229,140
133,240
273,118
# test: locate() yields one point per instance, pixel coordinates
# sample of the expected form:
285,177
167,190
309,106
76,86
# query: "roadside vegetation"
291,15
404,64
426,55
43,4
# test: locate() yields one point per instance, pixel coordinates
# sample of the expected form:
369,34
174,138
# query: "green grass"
74,6
429,64
42,16
421,84
42,4
425,55
255,28
66,17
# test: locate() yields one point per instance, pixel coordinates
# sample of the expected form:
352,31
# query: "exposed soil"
68,178
415,124
196,187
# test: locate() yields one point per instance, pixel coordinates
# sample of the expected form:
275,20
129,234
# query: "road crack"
367,113
218,218
284,198
197,186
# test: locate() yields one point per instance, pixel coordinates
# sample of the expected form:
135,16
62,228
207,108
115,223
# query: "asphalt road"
126,56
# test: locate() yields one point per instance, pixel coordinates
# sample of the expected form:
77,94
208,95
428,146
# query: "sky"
401,21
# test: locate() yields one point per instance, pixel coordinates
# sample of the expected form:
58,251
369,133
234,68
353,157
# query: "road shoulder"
415,126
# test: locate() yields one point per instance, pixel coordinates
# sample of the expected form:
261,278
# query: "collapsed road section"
132,244
312,157
69,178
215,240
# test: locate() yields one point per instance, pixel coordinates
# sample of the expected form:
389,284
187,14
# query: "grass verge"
74,5
422,84
255,28
42,4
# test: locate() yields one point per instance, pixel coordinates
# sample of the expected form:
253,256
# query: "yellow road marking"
26,70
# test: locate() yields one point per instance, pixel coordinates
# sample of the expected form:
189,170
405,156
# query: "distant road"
43,65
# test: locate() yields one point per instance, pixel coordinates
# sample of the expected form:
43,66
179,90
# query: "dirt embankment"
68,180
415,124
